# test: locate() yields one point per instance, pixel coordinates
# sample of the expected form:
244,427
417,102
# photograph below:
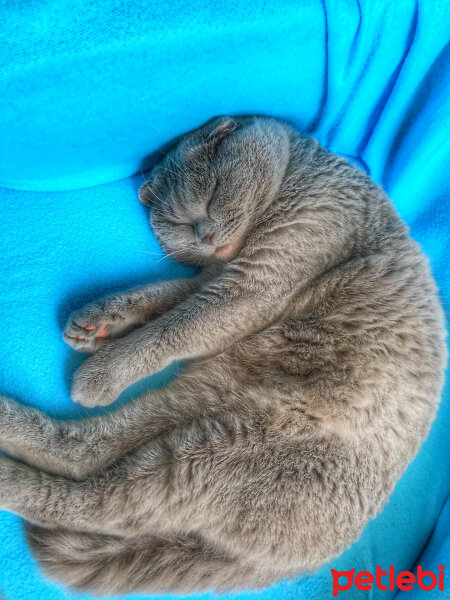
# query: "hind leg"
78,449
123,499
232,477
104,564
227,477
75,449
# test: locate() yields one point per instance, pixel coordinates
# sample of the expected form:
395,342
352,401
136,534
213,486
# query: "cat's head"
211,189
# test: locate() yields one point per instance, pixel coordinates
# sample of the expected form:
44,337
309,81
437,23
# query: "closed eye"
183,230
169,216
177,224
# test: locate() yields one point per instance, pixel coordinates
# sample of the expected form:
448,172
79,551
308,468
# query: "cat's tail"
105,564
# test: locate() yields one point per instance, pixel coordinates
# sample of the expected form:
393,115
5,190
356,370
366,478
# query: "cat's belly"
352,372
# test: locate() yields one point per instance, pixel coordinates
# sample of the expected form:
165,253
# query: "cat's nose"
203,233
208,239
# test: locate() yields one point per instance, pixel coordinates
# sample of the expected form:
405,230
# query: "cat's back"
365,339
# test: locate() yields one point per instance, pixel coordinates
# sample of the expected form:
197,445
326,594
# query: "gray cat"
316,346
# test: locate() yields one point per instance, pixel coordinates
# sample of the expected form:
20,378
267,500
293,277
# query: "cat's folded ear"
151,190
147,192
220,128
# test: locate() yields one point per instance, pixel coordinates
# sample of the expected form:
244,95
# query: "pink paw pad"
80,337
102,331
89,327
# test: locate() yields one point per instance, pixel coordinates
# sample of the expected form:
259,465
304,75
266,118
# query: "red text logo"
388,580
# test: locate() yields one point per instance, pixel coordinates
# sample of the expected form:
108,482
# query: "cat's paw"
88,328
94,383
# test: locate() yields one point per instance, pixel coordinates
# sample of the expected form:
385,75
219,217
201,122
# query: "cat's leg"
230,476
101,502
115,315
116,499
79,448
231,306
76,448
104,564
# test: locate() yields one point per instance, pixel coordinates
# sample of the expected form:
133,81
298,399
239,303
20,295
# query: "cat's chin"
226,252
220,254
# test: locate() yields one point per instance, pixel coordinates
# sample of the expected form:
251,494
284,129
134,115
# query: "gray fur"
315,342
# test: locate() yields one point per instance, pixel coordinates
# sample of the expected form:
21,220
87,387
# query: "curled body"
314,346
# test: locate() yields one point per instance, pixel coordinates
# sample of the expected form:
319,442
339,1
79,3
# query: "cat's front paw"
94,383
88,328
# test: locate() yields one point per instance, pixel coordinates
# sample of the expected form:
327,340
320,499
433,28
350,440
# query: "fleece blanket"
90,89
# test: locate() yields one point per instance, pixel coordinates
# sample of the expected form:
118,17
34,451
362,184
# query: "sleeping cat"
315,346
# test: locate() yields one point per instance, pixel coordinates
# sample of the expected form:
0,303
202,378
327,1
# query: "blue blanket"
89,89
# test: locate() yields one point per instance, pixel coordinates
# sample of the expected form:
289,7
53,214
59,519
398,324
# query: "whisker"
174,162
162,258
198,263
175,251
143,176
170,171
170,254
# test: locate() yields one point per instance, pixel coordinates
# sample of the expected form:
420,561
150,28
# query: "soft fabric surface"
437,552
91,88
